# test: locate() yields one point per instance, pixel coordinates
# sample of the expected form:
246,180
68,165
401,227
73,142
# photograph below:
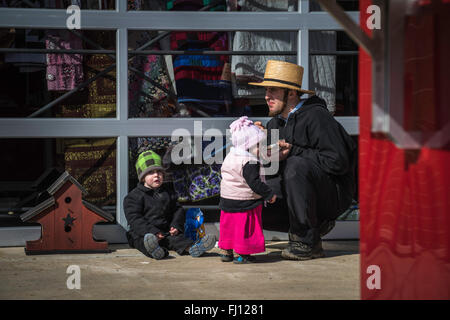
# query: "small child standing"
242,193
154,215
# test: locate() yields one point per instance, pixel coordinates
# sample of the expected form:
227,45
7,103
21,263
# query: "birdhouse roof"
62,180
98,211
37,209
51,201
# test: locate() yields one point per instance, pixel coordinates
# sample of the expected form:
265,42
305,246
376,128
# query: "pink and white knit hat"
244,134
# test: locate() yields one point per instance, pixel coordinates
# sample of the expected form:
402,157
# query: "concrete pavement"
127,274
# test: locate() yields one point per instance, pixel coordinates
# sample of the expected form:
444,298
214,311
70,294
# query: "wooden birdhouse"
67,220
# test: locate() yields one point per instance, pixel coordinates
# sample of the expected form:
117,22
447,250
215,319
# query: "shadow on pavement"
269,258
332,248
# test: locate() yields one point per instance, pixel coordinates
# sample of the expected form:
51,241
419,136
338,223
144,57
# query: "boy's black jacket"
153,211
317,136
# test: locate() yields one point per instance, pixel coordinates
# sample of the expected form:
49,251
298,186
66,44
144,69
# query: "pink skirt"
242,231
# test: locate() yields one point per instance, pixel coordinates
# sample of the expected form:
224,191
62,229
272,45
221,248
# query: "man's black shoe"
301,251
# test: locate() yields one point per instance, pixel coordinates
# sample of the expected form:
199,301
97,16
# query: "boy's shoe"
301,251
201,246
244,258
152,246
226,255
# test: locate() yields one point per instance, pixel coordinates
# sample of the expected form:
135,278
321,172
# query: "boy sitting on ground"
155,217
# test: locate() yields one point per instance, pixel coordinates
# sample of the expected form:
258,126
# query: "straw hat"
283,75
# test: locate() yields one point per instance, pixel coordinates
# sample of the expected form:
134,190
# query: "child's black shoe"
152,246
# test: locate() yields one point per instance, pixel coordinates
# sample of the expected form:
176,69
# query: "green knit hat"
147,161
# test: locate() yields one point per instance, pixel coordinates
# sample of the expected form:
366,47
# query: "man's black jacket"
316,135
153,211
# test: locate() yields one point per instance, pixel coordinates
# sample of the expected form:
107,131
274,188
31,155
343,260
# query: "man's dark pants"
310,195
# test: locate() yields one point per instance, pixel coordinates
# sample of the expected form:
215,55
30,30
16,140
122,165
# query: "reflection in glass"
194,183
185,74
37,81
251,68
34,164
333,71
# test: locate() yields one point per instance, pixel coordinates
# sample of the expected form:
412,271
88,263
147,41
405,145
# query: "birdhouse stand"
67,220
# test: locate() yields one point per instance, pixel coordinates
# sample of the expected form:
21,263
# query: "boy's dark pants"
176,243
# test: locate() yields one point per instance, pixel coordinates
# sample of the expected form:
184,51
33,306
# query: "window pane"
210,5
32,81
34,164
194,78
195,179
61,4
334,71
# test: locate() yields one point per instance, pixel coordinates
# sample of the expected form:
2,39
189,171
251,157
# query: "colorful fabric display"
146,99
64,71
99,99
201,79
92,162
195,183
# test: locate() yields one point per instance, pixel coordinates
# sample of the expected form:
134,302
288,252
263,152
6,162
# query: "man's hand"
173,231
273,199
160,236
284,145
285,148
